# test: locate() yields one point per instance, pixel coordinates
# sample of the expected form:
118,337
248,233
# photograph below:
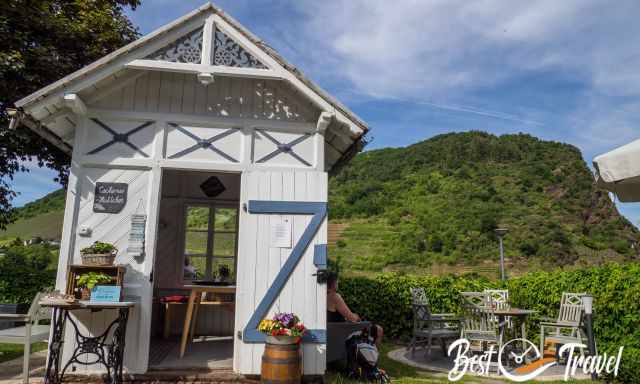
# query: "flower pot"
283,340
85,293
98,259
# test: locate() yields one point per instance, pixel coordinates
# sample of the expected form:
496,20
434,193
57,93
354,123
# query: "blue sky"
564,71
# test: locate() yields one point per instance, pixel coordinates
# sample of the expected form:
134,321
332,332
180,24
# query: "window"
210,242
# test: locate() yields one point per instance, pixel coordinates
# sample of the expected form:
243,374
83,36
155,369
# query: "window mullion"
210,242
237,234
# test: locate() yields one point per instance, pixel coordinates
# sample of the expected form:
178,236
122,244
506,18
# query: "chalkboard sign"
110,197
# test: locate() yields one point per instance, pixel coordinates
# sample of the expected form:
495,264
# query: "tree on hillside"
42,41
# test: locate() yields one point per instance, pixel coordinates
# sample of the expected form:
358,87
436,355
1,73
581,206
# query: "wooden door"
259,263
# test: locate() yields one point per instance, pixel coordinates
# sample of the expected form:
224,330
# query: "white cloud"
600,125
462,53
443,48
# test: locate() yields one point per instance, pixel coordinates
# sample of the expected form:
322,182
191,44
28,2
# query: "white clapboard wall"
258,263
113,228
228,97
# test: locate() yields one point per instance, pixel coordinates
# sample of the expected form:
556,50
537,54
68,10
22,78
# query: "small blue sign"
105,294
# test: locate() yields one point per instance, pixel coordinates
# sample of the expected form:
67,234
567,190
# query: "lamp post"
501,232
587,301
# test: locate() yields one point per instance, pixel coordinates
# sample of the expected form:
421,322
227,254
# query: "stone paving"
439,363
11,371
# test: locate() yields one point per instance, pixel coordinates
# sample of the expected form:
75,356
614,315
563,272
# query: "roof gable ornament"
225,51
187,49
229,53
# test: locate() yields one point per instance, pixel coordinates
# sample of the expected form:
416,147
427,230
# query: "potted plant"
282,360
88,280
283,328
99,254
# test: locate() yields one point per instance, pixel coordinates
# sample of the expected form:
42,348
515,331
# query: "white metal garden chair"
31,332
428,326
479,323
567,328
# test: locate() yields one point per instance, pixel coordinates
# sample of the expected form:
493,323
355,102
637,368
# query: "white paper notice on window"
281,233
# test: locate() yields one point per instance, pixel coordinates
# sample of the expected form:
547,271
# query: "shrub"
24,272
373,298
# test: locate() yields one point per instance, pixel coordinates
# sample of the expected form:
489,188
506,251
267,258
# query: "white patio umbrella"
619,171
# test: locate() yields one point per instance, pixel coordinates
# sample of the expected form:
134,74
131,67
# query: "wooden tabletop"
211,288
82,304
513,312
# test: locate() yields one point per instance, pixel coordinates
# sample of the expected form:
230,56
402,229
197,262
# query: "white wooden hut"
200,101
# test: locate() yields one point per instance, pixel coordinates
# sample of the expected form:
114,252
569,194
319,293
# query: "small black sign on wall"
110,197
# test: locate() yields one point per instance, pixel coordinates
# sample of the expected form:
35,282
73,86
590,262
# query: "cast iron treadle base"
97,349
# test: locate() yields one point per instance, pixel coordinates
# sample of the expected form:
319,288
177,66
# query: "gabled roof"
117,61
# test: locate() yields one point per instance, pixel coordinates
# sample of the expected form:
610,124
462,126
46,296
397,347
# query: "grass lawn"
13,351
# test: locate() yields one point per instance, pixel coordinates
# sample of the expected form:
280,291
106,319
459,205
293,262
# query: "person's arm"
344,310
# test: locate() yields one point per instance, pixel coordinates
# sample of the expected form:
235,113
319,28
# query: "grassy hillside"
47,226
436,204
42,217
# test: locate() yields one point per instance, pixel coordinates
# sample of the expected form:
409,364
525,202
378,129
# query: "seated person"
338,310
189,270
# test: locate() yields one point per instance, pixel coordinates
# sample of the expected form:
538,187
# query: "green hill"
434,206
53,202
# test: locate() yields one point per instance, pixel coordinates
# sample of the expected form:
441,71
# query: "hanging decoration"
136,235
212,187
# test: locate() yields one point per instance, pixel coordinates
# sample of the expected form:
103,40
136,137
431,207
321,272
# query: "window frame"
209,256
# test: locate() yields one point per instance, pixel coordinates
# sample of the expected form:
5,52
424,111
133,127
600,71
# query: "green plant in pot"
88,280
99,253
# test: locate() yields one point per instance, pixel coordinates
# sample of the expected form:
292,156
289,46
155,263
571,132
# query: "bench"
169,309
31,332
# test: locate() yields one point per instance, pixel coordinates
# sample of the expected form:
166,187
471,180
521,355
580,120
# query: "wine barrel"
281,364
